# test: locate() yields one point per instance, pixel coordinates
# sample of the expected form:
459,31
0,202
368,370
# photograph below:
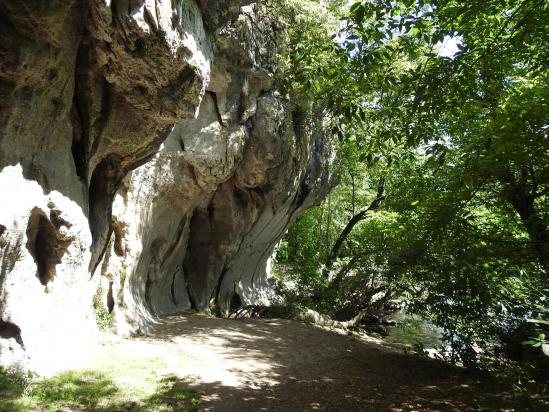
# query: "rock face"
144,147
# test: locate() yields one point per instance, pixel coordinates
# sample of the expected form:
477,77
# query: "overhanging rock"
144,145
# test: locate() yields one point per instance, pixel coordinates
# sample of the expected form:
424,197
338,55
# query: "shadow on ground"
290,366
259,365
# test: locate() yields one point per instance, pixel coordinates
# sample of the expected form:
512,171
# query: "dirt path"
281,365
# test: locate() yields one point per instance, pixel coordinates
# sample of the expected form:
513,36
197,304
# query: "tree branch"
375,205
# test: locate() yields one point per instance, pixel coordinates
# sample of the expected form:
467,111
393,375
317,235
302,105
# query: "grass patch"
91,390
174,395
72,389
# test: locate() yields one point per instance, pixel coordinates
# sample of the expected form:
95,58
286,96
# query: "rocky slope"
144,149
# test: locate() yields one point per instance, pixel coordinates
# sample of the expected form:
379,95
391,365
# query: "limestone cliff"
143,146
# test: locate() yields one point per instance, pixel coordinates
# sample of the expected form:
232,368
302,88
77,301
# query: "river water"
412,330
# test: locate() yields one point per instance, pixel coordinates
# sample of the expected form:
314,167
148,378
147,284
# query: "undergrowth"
104,319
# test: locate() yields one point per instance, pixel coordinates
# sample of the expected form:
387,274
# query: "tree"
462,140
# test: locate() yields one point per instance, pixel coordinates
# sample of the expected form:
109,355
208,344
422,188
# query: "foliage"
541,341
461,139
12,386
103,318
359,274
12,380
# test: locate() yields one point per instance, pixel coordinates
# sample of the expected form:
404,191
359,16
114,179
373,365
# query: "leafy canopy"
461,138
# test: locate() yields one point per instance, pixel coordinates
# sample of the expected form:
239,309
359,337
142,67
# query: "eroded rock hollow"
145,152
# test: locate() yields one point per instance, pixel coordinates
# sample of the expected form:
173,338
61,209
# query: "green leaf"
355,6
540,321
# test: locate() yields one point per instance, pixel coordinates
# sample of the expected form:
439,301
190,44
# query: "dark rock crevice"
216,106
10,254
110,297
106,179
9,330
80,111
46,244
172,288
119,230
215,235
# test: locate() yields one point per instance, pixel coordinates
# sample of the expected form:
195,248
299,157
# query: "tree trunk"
375,205
522,195
537,231
329,221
